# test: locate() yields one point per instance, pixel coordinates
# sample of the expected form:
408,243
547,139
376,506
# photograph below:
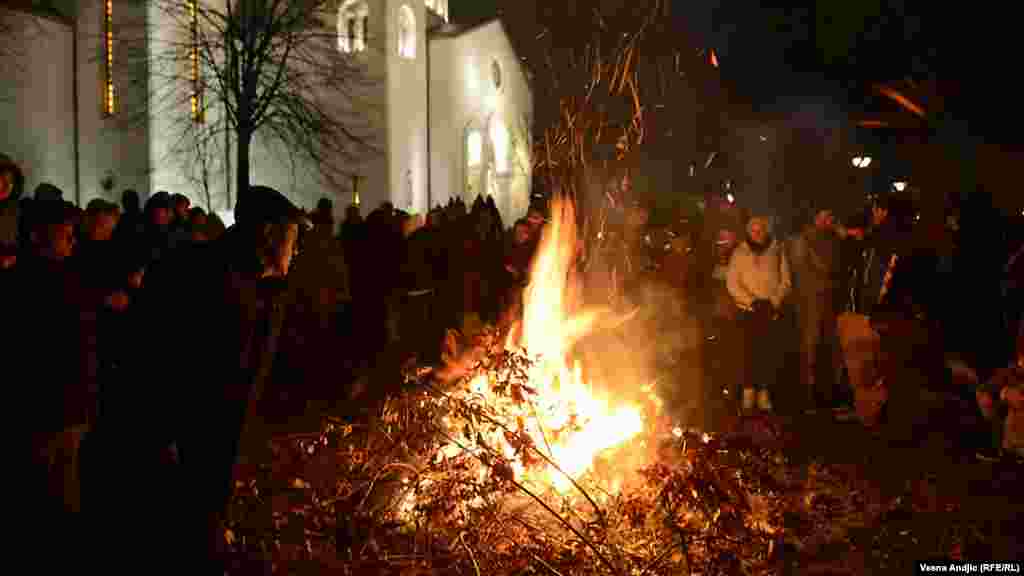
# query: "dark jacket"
53,363
216,326
418,265
868,261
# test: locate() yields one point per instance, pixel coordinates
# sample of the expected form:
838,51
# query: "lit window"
196,98
353,24
109,96
406,33
474,148
499,140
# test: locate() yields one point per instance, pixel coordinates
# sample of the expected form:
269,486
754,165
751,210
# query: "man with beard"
758,279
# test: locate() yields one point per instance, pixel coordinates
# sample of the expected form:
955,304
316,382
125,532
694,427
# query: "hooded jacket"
9,206
758,276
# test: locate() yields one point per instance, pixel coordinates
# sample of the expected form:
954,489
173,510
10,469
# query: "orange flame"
568,419
552,323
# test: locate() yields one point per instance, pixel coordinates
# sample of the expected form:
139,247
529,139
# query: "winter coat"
321,265
812,259
877,253
130,228
418,265
53,362
764,276
204,377
98,263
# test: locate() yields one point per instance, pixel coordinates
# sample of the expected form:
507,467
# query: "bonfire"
510,460
509,457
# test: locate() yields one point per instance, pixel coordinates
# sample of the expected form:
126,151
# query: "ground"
895,495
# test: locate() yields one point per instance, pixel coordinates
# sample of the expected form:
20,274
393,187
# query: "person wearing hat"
48,192
237,285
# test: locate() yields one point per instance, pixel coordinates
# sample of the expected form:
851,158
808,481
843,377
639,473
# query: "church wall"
464,97
407,112
36,101
372,169
271,164
39,116
447,150
176,163
117,145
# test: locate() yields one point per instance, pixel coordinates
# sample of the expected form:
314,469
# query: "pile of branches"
422,489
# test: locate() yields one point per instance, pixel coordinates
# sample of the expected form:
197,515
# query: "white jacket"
764,276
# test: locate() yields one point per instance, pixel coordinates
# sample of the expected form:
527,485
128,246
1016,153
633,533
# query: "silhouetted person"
11,185
237,286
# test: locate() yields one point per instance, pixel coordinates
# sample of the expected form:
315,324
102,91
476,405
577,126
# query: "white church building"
455,111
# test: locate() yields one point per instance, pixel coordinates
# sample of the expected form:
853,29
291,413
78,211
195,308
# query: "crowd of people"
145,342
890,313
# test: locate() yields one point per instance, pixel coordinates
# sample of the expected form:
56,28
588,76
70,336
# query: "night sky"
806,69
775,56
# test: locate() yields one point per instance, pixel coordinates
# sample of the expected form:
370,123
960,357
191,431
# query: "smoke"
646,336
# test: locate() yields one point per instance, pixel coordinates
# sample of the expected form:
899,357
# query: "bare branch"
270,69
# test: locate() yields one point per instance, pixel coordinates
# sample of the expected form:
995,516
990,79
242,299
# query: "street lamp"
899,186
861,161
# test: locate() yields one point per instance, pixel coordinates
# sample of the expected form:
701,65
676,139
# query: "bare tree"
248,68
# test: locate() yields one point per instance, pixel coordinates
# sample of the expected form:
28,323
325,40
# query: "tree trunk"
243,168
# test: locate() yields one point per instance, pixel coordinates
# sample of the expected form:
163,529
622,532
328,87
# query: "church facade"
452,110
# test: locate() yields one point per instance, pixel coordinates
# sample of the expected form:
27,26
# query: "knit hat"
47,191
263,205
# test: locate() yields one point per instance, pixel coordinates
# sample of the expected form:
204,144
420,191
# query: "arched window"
406,32
474,170
353,23
500,145
474,148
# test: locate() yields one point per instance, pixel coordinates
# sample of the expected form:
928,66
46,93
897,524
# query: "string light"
196,98
109,106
